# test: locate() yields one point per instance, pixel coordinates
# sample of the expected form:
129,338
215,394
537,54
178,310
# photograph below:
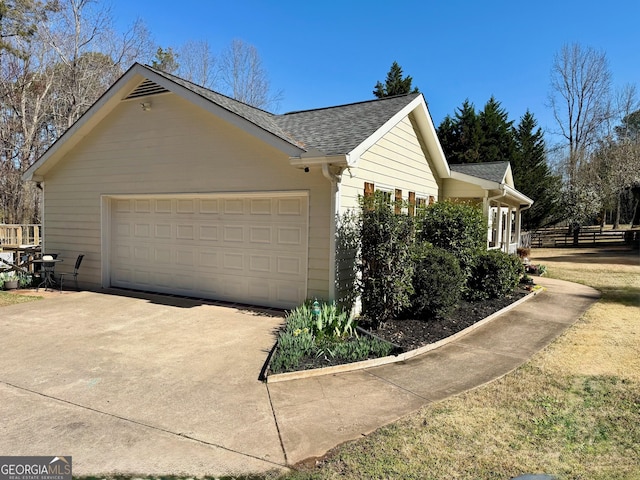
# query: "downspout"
335,210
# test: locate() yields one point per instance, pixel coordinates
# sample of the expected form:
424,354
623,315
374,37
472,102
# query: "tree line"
57,57
592,174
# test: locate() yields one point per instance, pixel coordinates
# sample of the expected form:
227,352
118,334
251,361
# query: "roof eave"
518,196
509,191
310,160
480,182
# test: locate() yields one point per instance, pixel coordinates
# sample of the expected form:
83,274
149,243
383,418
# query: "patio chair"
74,274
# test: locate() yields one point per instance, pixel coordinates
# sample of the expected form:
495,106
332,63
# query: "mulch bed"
412,333
409,334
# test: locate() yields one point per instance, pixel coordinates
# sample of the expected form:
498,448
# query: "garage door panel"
288,266
142,206
208,233
290,206
290,236
259,264
209,206
208,259
163,231
141,253
250,250
233,206
261,234
233,233
261,206
233,261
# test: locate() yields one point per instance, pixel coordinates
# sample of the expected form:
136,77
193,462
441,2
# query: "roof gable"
345,131
490,176
492,171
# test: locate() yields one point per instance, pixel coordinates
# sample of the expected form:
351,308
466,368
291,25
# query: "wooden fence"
16,235
587,237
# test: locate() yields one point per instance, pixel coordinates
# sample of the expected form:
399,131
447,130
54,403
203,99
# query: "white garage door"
250,249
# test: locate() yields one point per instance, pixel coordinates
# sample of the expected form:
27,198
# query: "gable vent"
146,88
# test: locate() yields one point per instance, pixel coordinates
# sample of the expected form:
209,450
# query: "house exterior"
169,187
491,186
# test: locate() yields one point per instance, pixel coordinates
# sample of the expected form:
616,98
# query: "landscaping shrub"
459,228
438,283
330,334
357,349
348,232
493,275
386,263
331,322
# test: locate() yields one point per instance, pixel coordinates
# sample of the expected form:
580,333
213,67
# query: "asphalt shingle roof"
492,171
338,130
333,130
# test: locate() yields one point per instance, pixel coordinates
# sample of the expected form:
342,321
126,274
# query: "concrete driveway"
150,385
159,386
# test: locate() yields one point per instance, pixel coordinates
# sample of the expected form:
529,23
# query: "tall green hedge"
458,228
386,262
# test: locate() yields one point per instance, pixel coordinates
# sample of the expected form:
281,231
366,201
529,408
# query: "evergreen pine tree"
497,140
469,135
460,136
165,60
395,84
532,175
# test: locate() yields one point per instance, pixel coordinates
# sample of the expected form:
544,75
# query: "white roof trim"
489,185
428,131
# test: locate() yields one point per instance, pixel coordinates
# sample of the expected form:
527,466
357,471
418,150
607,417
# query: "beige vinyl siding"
457,189
176,147
396,161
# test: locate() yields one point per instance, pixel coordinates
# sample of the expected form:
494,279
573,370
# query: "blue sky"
323,53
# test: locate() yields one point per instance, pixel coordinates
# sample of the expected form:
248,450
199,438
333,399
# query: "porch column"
499,233
518,225
507,246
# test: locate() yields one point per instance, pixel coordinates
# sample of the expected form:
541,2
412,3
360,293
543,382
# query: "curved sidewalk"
316,414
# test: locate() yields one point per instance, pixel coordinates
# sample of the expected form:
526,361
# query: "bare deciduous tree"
63,67
197,63
618,158
243,77
579,97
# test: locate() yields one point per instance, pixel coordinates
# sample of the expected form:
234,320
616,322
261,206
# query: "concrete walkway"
316,414
161,386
